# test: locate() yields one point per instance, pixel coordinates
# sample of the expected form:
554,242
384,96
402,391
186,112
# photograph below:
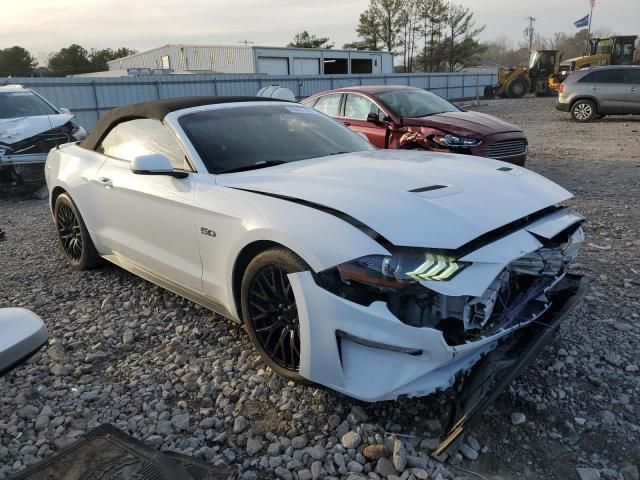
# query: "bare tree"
462,32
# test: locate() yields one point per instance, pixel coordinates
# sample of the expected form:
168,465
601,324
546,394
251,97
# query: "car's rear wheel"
583,111
74,237
270,312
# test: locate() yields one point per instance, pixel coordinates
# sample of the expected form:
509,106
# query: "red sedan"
393,116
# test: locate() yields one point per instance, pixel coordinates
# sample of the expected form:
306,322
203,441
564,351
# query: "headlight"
400,269
455,141
78,132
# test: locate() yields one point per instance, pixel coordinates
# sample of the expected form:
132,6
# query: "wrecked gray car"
30,126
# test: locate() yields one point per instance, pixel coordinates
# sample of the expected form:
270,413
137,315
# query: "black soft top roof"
157,110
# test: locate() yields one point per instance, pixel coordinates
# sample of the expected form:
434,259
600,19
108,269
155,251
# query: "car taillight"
561,88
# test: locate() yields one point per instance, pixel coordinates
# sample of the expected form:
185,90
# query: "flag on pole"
583,22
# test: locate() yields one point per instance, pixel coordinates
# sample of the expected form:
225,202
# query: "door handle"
594,88
346,124
106,182
633,89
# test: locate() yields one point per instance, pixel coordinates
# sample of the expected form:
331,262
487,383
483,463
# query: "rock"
28,412
474,443
299,442
374,452
518,418
420,473
588,473
60,370
283,473
275,461
42,422
240,424
354,467
317,453
342,429
304,474
253,446
275,449
399,456
351,439
630,472
608,418
358,414
181,422
334,421
249,475
632,368
429,444
468,452
128,338
95,357
164,427
433,425
385,468
154,441
316,470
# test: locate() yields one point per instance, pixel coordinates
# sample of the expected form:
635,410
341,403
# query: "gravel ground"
168,371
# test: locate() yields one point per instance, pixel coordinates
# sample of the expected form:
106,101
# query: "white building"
252,59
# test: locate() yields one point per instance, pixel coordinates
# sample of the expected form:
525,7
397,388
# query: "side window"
329,104
131,139
358,107
634,76
589,78
611,76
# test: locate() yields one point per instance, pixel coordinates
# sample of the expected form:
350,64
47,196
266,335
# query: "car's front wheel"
73,235
270,312
583,111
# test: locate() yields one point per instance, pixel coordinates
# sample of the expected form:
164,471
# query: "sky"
42,26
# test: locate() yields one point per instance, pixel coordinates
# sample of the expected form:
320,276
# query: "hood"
13,130
467,124
456,198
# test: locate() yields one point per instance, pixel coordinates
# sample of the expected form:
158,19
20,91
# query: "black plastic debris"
108,454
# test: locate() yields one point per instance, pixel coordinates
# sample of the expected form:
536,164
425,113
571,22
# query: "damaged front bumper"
418,338
514,353
366,352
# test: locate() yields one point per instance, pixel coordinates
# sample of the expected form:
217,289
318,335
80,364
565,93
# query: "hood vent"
430,188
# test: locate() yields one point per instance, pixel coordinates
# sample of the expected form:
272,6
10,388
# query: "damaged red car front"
411,118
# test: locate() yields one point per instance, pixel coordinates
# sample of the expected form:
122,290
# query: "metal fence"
89,97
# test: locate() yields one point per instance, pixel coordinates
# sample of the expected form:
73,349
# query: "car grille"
506,148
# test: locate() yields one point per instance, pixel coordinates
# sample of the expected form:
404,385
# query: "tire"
517,88
74,237
269,310
583,111
489,92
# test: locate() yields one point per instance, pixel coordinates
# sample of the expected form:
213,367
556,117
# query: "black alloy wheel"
274,316
74,237
270,311
69,232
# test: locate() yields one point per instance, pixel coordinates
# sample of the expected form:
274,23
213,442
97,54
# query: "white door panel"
150,219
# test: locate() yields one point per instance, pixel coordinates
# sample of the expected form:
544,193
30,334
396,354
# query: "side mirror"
155,164
22,332
64,110
373,118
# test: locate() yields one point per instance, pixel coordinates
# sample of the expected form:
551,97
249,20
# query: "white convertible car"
376,273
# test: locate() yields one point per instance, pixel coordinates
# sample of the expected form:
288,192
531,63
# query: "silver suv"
595,92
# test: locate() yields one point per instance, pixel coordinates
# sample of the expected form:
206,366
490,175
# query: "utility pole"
529,32
592,3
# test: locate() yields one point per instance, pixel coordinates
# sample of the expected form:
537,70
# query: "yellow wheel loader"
540,77
618,50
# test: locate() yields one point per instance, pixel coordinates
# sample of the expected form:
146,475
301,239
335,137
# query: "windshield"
234,139
23,104
416,103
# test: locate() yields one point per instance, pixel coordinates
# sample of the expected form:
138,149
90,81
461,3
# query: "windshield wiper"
253,166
